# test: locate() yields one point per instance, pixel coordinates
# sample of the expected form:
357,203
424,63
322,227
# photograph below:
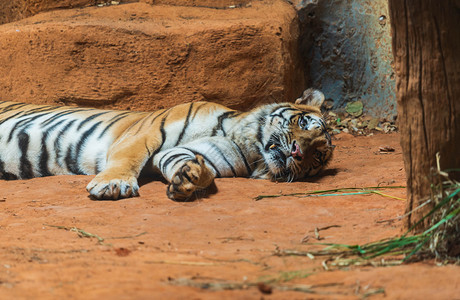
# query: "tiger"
189,145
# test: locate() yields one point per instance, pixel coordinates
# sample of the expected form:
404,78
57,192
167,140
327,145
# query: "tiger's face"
295,142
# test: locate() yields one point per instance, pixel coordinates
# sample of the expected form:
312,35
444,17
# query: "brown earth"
143,56
155,248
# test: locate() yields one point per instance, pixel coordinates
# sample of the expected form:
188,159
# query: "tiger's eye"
302,122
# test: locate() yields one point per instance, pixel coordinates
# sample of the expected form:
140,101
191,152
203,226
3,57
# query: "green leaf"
354,108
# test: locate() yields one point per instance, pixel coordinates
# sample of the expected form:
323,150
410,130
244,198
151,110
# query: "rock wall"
144,56
202,3
237,52
14,10
346,49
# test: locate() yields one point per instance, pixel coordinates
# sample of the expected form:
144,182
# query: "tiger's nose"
295,151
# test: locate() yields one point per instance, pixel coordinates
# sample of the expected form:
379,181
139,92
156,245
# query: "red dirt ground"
155,248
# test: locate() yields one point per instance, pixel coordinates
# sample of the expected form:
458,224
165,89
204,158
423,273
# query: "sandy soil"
159,249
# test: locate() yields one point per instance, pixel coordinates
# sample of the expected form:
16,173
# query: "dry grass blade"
126,237
285,276
266,288
337,192
85,234
80,232
184,263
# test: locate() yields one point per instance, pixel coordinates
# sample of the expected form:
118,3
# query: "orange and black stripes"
181,143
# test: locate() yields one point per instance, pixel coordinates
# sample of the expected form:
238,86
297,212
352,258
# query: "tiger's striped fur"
189,144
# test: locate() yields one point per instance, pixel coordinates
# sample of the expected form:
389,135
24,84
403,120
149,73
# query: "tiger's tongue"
296,151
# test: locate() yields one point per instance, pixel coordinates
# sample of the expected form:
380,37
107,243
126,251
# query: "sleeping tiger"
189,144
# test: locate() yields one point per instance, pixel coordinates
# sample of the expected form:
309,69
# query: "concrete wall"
347,48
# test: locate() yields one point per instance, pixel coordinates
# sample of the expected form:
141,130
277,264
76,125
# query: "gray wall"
347,49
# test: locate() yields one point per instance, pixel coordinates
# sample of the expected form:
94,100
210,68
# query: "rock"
142,57
202,3
345,121
336,131
14,10
386,149
373,123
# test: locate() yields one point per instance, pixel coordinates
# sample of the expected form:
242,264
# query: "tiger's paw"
194,175
112,189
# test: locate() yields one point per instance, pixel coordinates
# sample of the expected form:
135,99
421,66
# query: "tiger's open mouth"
274,146
296,152
282,158
290,162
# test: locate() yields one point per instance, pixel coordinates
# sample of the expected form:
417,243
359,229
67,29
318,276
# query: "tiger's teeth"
272,146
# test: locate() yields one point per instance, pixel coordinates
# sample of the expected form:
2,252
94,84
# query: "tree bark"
426,48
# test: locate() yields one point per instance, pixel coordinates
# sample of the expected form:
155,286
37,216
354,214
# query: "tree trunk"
426,47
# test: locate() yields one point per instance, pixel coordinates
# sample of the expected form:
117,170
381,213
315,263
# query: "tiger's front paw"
192,176
105,188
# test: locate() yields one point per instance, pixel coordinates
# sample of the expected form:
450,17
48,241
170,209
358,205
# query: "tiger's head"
294,139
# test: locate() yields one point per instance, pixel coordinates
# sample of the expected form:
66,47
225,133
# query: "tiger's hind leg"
191,177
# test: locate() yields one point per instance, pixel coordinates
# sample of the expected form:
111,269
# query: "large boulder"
145,56
13,10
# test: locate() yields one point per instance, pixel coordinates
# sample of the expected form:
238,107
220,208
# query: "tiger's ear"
311,97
